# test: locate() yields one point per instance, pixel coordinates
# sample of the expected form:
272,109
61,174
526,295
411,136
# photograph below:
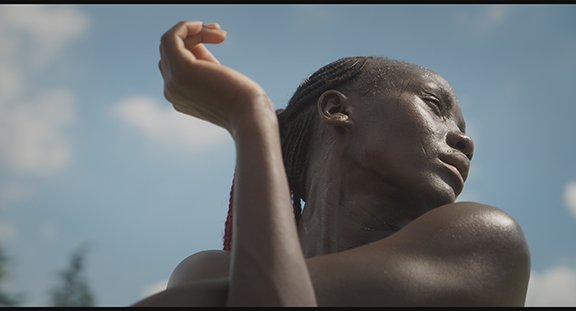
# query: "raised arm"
267,266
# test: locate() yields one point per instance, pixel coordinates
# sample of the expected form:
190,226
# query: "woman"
377,149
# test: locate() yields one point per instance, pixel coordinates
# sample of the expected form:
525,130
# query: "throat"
348,205
340,216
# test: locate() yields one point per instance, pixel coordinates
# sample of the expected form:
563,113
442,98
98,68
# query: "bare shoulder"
460,254
484,244
487,232
204,265
470,225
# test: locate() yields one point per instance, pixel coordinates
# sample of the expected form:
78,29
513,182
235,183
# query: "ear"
333,108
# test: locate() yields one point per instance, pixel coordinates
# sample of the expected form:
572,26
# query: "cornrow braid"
295,123
298,117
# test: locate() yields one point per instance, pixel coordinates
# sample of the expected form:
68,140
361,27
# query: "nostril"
461,145
461,142
464,147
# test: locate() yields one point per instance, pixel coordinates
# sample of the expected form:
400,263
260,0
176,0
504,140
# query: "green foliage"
73,290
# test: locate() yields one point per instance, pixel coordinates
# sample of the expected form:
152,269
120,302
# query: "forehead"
418,79
422,78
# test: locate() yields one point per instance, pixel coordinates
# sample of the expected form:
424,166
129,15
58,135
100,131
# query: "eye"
434,103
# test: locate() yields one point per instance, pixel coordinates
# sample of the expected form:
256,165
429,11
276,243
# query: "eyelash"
435,103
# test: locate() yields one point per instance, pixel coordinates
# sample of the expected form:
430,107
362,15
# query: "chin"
432,191
442,194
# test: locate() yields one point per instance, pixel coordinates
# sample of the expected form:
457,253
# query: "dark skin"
380,227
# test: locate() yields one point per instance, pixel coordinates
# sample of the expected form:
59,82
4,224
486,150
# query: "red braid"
228,225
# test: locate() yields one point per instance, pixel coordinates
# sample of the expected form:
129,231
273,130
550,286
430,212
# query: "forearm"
267,264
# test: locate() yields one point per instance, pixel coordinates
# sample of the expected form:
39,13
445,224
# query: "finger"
164,63
212,26
172,42
185,29
163,69
165,57
207,35
201,52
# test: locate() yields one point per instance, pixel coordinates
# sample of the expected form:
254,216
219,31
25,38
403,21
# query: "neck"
348,206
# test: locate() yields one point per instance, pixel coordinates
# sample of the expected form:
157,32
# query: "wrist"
257,120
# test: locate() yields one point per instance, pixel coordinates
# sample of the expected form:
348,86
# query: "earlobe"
333,108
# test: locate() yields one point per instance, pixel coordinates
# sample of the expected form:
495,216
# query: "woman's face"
413,137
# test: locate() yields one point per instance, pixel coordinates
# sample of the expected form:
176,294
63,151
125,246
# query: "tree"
73,290
6,299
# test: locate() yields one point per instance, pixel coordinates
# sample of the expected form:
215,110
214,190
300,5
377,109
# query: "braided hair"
296,125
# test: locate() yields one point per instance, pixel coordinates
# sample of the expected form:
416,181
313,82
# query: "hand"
198,85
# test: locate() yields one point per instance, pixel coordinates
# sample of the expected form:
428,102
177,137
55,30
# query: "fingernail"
219,31
211,25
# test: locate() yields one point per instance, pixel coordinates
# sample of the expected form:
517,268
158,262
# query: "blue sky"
91,153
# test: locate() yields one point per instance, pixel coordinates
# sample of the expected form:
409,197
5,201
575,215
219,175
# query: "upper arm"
458,254
204,265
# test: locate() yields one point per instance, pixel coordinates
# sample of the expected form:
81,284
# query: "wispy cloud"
312,16
154,288
45,29
33,136
34,119
555,287
160,123
570,197
496,13
484,19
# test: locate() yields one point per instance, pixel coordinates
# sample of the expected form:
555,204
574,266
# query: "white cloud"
570,197
555,287
313,16
47,30
496,13
34,119
7,231
154,288
484,19
161,123
33,136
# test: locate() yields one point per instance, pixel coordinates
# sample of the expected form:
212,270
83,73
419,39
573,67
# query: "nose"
461,142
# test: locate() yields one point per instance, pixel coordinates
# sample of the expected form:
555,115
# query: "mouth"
458,164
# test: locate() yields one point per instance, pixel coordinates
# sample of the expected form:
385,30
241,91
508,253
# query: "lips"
457,160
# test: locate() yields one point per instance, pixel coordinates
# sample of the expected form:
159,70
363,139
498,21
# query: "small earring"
339,117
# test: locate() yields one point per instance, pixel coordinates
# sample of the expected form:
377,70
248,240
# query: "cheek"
429,129
418,135
402,134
